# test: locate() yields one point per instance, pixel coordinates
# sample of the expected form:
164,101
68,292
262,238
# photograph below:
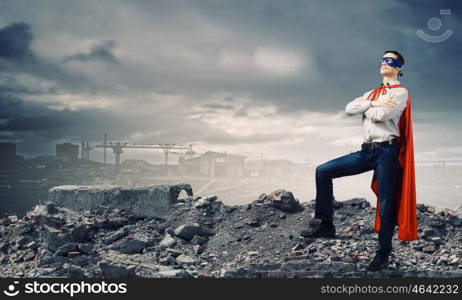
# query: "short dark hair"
399,57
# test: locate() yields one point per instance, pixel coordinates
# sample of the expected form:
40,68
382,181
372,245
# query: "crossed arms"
383,110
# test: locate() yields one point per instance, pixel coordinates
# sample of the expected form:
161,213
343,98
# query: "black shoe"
380,262
320,232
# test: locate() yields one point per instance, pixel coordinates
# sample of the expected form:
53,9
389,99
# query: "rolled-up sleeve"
357,107
381,114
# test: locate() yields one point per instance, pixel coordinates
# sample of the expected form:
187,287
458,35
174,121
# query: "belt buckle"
376,145
368,146
373,145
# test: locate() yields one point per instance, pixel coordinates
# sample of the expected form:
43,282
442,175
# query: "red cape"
406,218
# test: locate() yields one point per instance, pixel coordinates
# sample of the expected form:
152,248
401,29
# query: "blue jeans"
384,160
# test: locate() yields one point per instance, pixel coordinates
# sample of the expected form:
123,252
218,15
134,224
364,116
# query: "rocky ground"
201,237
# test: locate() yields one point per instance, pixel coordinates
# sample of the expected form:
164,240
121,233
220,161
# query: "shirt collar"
391,82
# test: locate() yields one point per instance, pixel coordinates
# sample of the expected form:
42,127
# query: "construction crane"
187,155
117,149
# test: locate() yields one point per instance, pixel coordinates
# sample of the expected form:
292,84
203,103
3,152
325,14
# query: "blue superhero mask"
392,62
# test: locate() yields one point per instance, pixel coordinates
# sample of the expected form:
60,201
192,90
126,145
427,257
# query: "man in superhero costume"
388,149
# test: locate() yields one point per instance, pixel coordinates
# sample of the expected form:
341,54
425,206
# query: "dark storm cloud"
346,39
18,57
36,128
26,76
101,52
31,117
173,49
342,41
15,41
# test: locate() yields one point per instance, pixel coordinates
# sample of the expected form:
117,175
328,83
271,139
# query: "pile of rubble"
201,237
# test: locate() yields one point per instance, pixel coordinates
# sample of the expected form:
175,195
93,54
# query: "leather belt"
376,145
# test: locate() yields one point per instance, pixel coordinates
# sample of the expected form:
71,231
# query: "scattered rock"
73,271
421,207
198,240
64,249
29,255
282,200
86,249
437,240
167,242
13,219
185,259
198,249
173,274
429,249
357,202
109,270
116,235
73,254
257,240
204,202
79,233
188,231
131,246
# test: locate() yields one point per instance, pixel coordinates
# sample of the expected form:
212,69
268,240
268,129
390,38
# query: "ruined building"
213,164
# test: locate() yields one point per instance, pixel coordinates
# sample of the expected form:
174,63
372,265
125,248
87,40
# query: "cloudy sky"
246,77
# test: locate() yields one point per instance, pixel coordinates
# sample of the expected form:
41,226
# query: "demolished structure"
110,231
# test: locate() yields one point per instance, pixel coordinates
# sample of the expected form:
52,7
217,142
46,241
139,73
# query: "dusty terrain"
202,237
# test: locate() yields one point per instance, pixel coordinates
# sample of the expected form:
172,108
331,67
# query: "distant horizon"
110,158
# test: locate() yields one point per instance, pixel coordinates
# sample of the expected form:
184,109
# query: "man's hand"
388,103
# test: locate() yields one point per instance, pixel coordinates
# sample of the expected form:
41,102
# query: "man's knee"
322,170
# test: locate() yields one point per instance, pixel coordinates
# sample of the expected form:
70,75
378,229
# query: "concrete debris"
143,201
167,242
256,240
185,259
109,270
204,202
280,199
188,231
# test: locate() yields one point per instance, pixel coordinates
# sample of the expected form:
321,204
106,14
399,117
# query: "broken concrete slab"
142,201
108,242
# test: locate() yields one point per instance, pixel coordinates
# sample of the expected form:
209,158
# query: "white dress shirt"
380,123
